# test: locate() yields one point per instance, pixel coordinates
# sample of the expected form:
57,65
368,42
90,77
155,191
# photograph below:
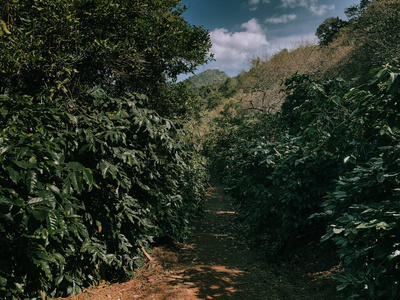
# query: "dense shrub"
333,163
84,187
68,47
364,206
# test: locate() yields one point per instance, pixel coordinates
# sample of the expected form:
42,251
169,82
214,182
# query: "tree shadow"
212,281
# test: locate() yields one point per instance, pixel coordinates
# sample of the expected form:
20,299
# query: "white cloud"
252,26
312,5
253,3
294,3
233,49
320,10
281,19
233,68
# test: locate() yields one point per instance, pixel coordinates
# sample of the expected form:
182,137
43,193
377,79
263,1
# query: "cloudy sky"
244,29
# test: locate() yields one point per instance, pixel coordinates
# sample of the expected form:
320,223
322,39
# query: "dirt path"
216,263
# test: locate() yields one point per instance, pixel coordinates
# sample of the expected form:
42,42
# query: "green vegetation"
89,170
310,150
206,78
210,88
66,48
92,168
329,30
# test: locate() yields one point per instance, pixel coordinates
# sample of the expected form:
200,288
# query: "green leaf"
32,181
391,80
380,177
3,281
8,201
76,181
59,279
87,175
14,175
74,166
52,222
46,268
41,213
19,287
336,101
73,119
58,158
21,153
342,286
35,200
26,164
328,235
104,167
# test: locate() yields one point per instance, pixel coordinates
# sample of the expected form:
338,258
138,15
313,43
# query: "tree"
328,31
377,43
354,11
67,47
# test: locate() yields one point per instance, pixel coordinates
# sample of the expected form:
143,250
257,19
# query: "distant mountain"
208,77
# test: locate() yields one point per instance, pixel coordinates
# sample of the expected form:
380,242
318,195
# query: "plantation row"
326,165
82,190
91,170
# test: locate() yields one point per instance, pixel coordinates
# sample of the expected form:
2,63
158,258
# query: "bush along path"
326,165
217,263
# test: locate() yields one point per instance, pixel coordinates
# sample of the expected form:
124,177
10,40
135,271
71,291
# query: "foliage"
89,171
364,205
206,78
328,31
83,188
210,96
375,33
333,164
354,11
327,163
273,165
69,47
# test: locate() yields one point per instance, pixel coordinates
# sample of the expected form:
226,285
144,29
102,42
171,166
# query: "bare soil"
217,263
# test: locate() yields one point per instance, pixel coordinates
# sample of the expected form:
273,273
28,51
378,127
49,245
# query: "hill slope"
208,77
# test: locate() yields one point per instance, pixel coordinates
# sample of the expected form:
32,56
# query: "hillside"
208,77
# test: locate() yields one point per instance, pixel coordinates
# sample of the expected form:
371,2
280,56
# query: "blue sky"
241,30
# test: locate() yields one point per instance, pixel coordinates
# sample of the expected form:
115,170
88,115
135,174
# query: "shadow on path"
216,263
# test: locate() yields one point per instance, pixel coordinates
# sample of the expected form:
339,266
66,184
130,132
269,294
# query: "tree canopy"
68,47
329,30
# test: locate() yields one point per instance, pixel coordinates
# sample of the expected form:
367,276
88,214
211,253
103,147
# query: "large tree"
68,47
329,30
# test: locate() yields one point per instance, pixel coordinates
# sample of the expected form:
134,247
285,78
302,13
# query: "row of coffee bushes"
84,186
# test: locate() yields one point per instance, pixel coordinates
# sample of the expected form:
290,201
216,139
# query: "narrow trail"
216,263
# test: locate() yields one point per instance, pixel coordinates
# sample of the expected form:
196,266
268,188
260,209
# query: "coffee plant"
84,186
328,159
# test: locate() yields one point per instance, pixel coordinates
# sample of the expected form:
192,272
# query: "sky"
241,30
